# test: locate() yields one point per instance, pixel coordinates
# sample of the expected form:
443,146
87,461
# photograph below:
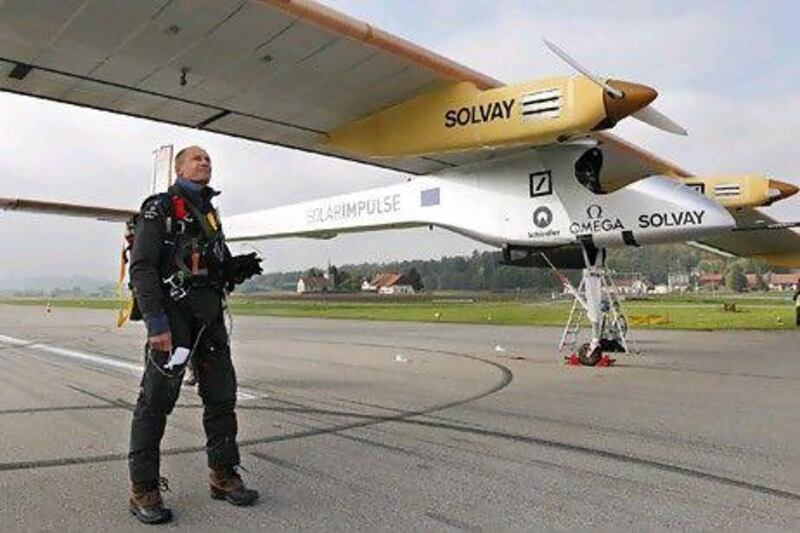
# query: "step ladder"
615,324
577,314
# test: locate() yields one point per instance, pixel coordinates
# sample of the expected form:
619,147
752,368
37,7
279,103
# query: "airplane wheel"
589,359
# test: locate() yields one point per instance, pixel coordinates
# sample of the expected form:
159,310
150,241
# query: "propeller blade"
616,93
650,115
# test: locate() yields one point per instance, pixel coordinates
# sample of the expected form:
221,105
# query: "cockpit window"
588,168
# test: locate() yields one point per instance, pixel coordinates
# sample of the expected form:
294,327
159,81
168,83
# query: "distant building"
711,281
633,286
311,284
678,281
717,281
783,282
388,283
752,282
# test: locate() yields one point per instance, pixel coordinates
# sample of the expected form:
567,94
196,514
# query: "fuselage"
532,199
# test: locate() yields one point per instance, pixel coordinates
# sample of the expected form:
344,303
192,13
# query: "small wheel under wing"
589,359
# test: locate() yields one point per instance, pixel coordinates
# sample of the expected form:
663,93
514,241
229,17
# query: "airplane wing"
775,245
72,210
282,72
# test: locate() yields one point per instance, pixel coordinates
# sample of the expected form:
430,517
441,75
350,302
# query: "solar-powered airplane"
529,167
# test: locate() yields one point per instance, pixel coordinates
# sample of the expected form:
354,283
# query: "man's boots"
147,506
227,484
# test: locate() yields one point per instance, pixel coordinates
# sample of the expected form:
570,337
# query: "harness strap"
189,248
208,223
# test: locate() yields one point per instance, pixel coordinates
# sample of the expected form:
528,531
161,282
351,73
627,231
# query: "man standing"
797,304
180,268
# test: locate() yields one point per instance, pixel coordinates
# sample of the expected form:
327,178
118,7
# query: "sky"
727,71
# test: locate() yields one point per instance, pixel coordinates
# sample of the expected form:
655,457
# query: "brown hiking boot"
226,484
146,503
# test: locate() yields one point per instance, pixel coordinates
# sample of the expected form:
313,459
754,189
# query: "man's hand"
240,268
161,342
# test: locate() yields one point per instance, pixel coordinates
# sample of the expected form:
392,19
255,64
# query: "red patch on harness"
179,207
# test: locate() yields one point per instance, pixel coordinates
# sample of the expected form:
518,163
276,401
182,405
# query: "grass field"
669,312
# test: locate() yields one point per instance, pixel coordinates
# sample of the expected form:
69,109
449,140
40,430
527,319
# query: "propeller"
657,119
624,98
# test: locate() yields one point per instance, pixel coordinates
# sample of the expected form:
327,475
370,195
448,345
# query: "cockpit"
588,168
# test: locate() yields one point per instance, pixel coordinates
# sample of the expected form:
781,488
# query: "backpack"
128,307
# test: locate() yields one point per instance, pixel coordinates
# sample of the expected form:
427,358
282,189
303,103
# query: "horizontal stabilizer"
59,208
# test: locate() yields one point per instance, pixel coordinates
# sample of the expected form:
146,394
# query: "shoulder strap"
160,202
204,222
164,201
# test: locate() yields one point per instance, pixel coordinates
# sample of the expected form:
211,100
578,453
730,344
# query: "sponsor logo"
542,217
354,209
541,183
697,187
430,197
478,114
597,223
594,211
671,219
543,234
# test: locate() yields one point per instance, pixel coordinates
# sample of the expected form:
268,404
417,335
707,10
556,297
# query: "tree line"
482,271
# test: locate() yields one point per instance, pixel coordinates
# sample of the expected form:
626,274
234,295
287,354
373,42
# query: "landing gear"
596,300
589,356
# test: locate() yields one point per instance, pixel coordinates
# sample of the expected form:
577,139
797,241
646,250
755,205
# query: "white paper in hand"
179,357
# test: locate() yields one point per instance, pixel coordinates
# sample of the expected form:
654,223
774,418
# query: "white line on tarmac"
242,394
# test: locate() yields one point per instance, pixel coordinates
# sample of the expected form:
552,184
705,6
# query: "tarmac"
359,425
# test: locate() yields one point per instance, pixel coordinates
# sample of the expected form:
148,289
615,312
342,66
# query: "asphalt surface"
350,425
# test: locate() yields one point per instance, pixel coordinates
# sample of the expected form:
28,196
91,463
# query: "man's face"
195,166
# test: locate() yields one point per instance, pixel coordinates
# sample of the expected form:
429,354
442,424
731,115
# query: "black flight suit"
195,320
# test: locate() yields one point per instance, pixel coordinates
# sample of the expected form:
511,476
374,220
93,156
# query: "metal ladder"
569,337
615,318
618,319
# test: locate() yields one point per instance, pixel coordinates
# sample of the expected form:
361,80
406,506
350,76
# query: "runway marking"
408,417
366,421
74,354
242,394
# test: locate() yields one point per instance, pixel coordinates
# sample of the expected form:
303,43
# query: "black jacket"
151,257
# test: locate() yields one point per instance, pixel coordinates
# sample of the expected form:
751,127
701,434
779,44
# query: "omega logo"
596,223
594,211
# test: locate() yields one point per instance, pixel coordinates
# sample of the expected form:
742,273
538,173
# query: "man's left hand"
241,268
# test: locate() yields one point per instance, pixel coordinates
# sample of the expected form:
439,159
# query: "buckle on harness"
181,226
176,284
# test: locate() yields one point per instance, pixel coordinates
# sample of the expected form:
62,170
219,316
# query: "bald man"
180,271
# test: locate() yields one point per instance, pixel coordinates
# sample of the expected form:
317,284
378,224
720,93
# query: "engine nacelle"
462,117
741,191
